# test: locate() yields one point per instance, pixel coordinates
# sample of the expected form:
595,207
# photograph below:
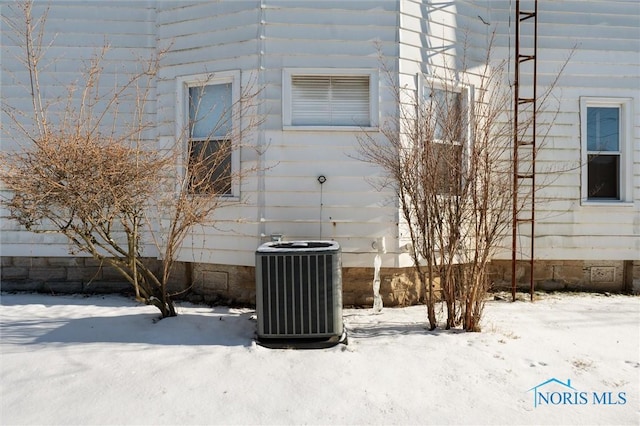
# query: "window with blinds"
330,100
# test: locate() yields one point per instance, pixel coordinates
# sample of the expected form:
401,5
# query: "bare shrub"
86,168
447,158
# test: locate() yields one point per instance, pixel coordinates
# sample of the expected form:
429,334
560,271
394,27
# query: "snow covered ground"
565,359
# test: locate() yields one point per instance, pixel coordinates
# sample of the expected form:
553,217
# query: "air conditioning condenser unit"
299,294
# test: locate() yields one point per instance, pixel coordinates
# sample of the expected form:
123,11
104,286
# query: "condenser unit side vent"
299,292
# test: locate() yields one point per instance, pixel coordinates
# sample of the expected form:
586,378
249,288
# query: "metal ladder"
524,139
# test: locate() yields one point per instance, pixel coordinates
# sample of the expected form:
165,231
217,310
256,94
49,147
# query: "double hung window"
605,149
207,117
210,138
446,110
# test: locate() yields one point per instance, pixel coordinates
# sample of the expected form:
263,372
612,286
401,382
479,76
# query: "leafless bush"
447,157
86,169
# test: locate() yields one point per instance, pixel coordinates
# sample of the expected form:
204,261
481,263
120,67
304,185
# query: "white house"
333,49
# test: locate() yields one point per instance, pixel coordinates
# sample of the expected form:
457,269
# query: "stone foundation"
72,275
209,283
575,275
397,287
227,284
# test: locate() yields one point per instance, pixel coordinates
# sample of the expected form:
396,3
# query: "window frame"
425,84
624,152
287,92
183,84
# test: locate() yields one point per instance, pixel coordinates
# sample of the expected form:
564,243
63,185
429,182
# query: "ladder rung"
525,220
530,176
525,100
524,58
525,143
526,15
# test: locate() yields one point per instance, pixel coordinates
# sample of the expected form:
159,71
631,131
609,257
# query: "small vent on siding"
319,100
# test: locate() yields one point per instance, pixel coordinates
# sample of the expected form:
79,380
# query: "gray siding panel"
602,41
76,32
602,38
218,37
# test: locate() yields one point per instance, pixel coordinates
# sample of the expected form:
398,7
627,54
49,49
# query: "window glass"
603,136
210,163
210,145
448,160
448,126
210,110
603,129
447,111
604,176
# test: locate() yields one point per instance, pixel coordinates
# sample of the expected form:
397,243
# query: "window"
603,152
449,161
206,116
342,99
446,107
446,128
210,138
605,149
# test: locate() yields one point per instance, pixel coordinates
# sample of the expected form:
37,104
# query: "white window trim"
183,83
425,82
626,152
374,113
